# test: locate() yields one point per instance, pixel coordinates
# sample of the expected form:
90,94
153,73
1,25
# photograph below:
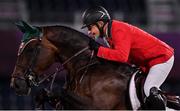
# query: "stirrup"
173,101
155,101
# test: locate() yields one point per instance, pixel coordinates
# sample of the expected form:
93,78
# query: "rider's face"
93,31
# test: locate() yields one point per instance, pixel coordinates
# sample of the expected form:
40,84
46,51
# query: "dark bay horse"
94,82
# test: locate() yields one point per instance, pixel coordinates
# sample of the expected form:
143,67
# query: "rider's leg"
155,78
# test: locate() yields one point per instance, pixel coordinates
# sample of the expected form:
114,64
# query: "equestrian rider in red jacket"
129,44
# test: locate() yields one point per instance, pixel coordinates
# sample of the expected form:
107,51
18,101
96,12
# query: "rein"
61,67
76,54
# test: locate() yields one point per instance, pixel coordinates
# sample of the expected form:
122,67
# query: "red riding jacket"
132,45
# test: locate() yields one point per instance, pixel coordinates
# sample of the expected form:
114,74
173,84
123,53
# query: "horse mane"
67,35
65,28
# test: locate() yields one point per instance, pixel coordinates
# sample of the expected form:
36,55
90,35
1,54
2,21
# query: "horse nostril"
16,86
20,86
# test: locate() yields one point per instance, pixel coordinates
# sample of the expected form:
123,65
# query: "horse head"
34,56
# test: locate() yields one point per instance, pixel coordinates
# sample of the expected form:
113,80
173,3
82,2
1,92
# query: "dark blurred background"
158,17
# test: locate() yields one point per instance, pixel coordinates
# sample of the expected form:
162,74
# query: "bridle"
31,77
29,74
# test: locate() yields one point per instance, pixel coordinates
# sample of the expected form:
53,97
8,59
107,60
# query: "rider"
128,44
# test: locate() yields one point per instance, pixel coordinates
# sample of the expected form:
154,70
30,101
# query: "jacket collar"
109,29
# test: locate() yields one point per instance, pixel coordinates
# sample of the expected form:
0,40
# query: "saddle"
173,101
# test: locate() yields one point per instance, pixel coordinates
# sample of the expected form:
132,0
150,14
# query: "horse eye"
29,50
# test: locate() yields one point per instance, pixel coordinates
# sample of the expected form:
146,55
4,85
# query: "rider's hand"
93,45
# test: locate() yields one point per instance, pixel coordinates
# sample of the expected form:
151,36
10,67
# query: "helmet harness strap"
100,29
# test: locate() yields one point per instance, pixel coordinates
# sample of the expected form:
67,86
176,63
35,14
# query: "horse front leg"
40,100
62,99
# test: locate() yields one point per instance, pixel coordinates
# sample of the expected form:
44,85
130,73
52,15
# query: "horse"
92,82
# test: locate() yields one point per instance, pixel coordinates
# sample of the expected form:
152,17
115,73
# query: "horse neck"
65,37
79,61
69,42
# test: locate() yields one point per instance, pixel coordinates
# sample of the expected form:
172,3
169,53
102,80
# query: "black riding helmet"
94,14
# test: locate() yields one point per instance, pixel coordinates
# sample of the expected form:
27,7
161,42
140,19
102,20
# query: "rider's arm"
120,51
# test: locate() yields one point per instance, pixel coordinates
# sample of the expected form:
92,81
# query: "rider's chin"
91,35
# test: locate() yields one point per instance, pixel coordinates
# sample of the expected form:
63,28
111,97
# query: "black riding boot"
154,101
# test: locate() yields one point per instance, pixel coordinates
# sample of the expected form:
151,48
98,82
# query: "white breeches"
157,75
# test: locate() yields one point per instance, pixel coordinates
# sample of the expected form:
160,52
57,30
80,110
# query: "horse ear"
20,26
28,30
25,27
28,27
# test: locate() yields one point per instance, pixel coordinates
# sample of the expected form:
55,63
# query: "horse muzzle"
20,86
